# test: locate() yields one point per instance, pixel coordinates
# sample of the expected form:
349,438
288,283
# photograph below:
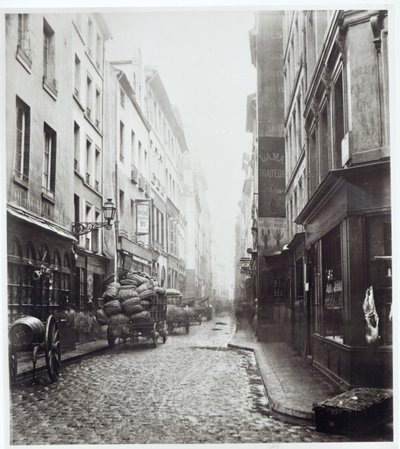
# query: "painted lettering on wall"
271,176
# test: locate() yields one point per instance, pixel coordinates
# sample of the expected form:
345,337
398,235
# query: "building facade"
336,195
39,166
84,127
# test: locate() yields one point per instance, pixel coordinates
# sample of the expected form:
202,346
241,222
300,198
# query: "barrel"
26,331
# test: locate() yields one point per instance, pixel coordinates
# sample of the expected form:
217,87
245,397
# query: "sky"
203,58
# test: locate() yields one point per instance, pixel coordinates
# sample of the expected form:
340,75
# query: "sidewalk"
25,365
292,384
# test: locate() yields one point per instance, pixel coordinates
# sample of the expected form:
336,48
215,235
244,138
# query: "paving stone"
190,390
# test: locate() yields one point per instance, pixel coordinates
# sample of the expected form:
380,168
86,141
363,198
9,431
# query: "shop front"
40,265
348,250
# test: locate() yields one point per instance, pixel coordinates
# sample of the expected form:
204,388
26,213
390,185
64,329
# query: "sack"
131,306
160,290
145,304
129,282
145,286
147,294
101,317
127,293
142,317
112,307
110,292
135,277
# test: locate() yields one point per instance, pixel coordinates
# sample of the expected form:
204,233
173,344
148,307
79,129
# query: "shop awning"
40,222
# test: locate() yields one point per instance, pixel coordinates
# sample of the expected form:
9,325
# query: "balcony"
141,183
134,174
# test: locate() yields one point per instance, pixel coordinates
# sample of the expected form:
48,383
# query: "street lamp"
81,228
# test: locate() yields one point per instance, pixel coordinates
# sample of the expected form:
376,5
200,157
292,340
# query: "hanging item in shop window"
371,317
333,292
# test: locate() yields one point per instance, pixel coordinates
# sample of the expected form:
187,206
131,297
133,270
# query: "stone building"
88,128
167,148
336,195
127,168
39,166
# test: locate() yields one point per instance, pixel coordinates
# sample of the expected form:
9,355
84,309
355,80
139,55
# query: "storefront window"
28,272
332,286
65,280
56,286
379,266
14,278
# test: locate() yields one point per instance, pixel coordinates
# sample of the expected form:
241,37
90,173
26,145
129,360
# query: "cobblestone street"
193,389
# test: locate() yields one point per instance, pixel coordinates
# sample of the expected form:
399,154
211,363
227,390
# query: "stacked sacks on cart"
129,301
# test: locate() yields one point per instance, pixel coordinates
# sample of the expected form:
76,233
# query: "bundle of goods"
132,300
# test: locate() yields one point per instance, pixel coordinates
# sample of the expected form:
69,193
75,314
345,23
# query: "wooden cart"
28,333
178,315
146,330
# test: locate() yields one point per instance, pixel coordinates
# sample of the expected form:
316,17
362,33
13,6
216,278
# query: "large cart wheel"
12,363
110,339
154,335
52,348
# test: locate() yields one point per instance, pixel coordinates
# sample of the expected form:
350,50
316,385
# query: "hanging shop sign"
142,218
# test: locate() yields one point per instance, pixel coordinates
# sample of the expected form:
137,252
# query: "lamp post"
84,227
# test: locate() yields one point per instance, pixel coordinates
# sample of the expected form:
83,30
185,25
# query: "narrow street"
193,389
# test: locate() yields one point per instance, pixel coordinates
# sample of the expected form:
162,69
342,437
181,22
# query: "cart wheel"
52,348
110,339
154,335
12,363
187,327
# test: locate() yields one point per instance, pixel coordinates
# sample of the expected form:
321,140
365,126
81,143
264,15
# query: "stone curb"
300,416
68,359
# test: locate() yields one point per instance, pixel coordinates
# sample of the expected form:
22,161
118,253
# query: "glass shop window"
332,286
379,271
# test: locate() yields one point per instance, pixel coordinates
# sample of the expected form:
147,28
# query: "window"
49,159
88,160
140,156
82,288
65,279
133,156
313,161
76,209
99,51
338,122
77,138
56,290
49,58
22,145
378,240
121,202
97,170
133,221
90,36
77,76
88,96
323,144
98,108
122,98
332,286
24,44
88,218
121,141
14,277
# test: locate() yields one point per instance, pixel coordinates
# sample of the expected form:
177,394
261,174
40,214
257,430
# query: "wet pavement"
193,389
